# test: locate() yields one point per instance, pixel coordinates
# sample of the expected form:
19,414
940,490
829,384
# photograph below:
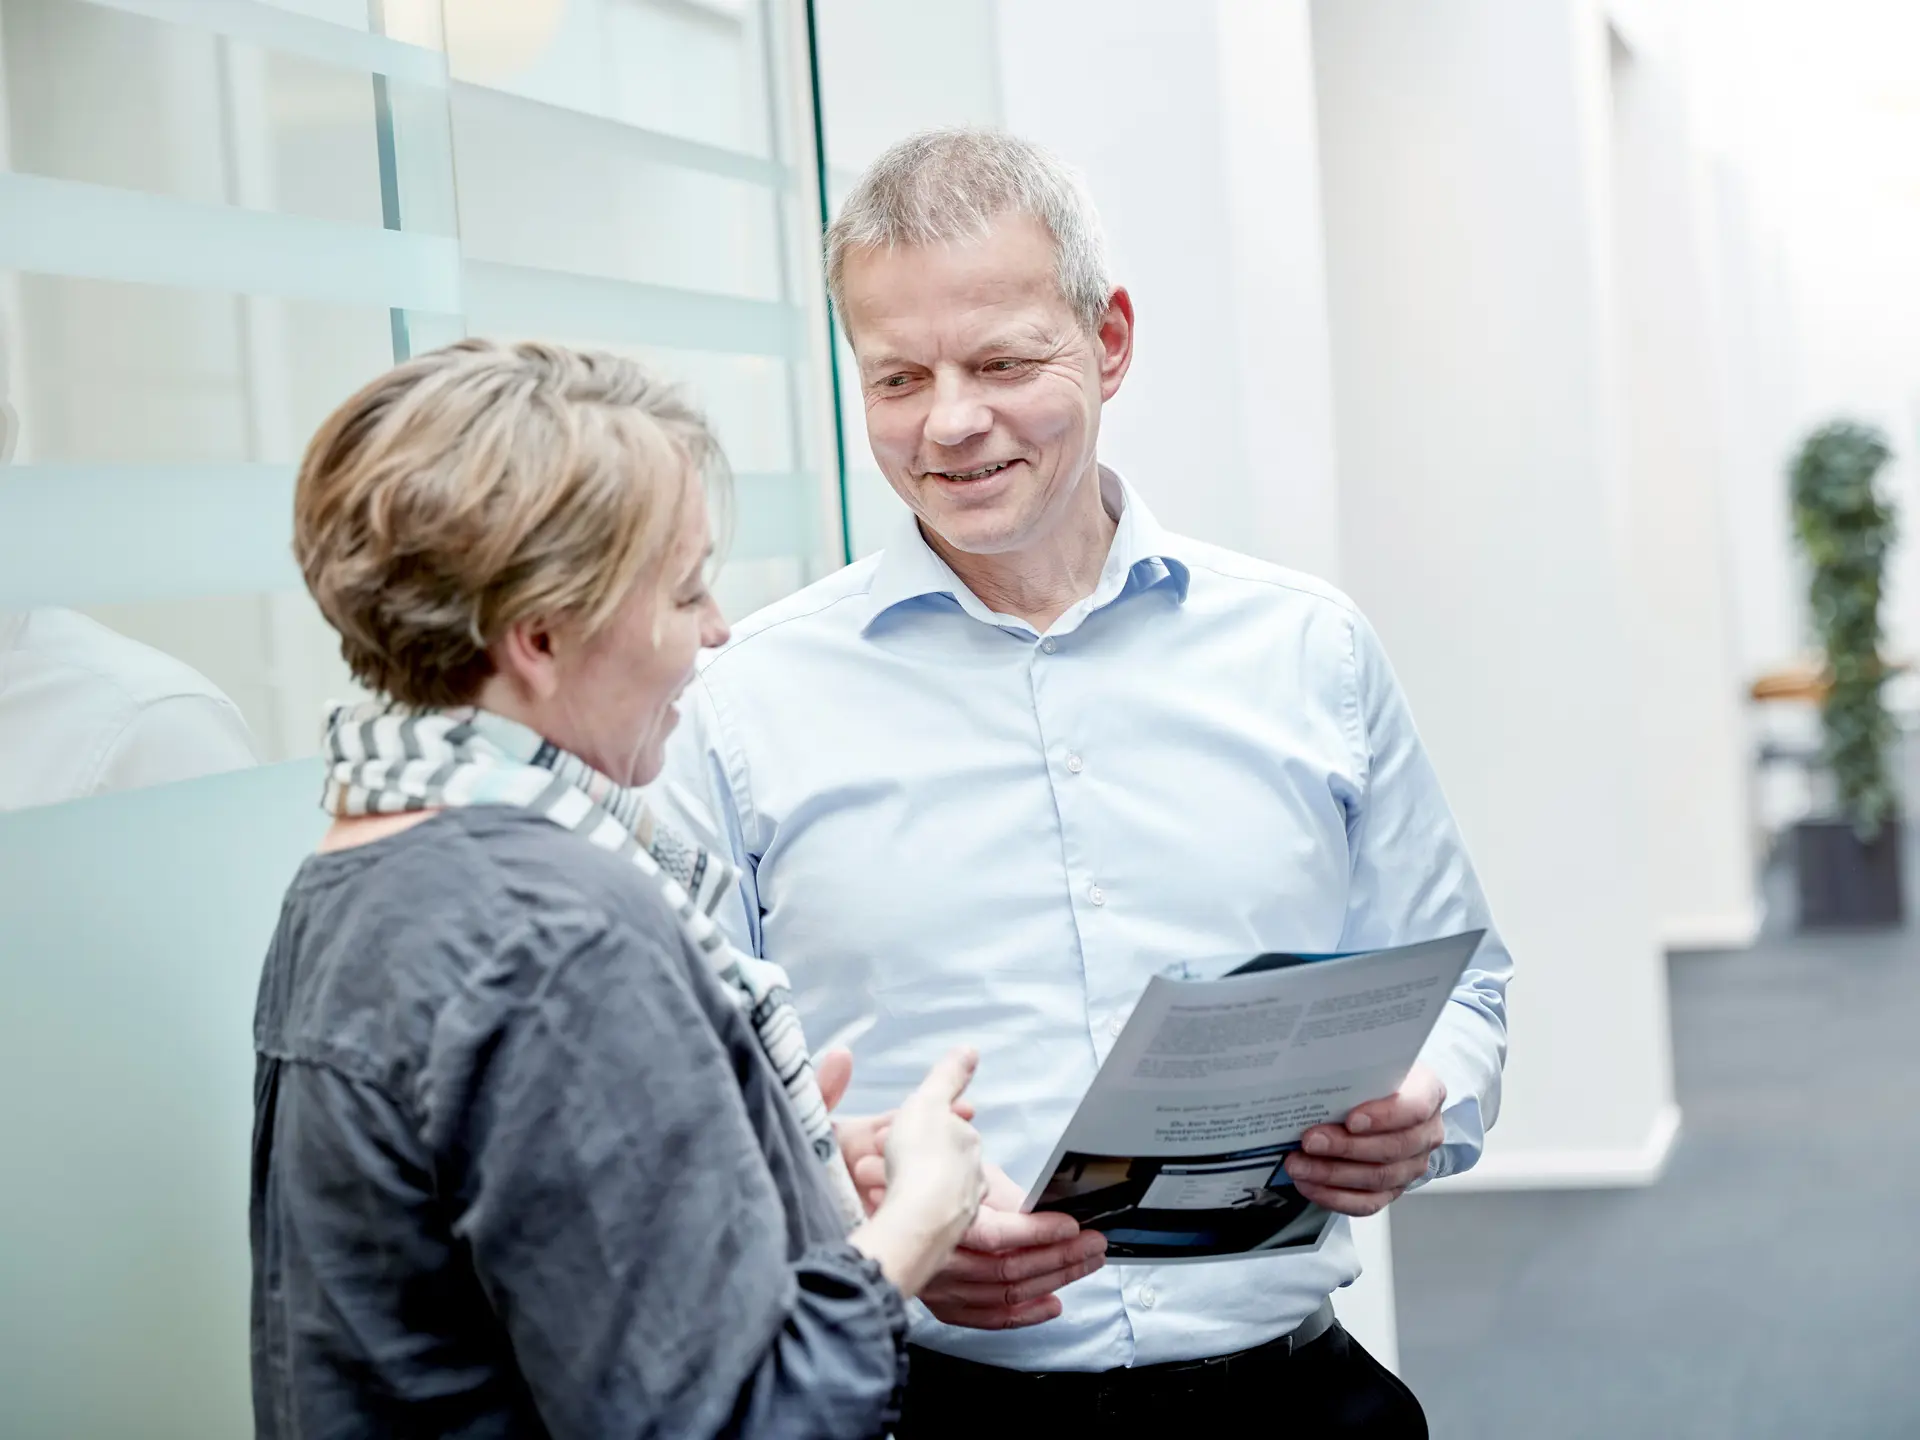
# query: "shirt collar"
1142,555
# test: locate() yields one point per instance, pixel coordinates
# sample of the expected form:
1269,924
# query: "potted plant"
1849,864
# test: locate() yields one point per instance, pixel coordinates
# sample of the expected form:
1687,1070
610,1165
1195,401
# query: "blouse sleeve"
625,1221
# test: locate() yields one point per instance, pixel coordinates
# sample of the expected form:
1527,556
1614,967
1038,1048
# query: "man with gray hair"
984,785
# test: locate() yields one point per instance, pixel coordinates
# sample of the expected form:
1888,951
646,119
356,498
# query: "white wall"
1194,127
1754,298
1465,180
1812,112
887,70
1699,839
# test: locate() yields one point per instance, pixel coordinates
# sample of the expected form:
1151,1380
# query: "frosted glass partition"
224,216
221,217
131,931
217,219
639,175
67,227
174,528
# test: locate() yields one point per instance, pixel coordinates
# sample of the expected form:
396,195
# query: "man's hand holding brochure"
1178,1151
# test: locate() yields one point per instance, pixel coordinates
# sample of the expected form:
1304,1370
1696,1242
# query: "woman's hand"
863,1138
933,1155
935,1180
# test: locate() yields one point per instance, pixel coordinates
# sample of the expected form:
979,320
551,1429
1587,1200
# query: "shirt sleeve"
626,1224
1411,880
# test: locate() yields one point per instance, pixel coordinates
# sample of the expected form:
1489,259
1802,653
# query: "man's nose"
958,414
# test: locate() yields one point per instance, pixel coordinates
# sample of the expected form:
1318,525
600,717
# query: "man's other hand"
1363,1166
1004,1274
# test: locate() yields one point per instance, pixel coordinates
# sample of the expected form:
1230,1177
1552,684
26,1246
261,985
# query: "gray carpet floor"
1768,1286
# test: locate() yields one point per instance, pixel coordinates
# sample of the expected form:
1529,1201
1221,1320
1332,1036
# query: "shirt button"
1075,765
1096,895
1147,1297
1048,645
1116,1022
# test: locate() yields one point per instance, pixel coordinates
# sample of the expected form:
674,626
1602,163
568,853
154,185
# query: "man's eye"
893,382
1002,366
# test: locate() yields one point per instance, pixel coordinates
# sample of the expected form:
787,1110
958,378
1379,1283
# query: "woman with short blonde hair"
480,485
537,1152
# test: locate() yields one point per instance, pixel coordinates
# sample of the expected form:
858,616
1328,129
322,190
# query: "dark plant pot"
1844,882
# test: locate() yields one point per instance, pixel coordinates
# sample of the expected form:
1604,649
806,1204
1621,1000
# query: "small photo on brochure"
1190,1207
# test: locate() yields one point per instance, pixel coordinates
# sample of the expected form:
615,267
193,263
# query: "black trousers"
1331,1387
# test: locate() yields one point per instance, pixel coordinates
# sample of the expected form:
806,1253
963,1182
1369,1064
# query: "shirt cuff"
1454,1053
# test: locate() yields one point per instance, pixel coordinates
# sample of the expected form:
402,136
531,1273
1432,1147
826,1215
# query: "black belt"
934,1371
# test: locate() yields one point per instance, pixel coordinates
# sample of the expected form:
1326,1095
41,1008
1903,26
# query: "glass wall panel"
224,216
638,175
221,217
133,926
217,219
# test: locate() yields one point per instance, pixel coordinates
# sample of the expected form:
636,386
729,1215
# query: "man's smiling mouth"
979,474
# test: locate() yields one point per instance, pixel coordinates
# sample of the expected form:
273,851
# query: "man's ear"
1115,339
526,656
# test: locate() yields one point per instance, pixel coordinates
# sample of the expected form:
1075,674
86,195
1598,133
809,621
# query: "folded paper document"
1175,1153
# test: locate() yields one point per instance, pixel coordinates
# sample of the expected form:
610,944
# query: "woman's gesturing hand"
933,1156
935,1179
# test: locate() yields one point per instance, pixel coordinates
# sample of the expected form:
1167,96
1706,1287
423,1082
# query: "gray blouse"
520,1168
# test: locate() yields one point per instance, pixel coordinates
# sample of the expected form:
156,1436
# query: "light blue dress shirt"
953,829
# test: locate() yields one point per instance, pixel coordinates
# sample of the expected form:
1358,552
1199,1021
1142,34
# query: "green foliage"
1847,529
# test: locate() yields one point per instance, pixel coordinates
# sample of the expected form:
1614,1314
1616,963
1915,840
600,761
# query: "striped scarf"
386,759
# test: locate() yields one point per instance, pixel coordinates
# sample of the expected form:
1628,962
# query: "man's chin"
974,532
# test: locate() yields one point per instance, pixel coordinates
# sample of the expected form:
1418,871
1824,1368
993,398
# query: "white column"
1699,830
1195,130
1193,124
1464,165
